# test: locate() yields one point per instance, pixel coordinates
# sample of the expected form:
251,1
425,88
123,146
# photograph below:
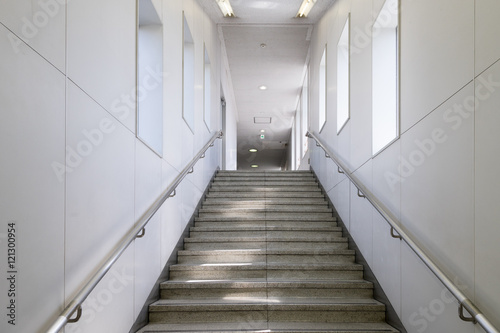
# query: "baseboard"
143,318
392,317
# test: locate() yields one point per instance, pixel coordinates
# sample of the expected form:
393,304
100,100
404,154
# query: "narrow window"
343,77
304,100
188,77
149,77
298,138
207,116
385,76
322,91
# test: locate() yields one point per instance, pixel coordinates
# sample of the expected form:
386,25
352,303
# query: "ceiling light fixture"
305,8
263,87
254,166
225,8
262,131
252,150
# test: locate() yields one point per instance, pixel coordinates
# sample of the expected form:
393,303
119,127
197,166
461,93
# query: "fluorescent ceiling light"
254,166
225,8
262,131
263,87
305,8
253,150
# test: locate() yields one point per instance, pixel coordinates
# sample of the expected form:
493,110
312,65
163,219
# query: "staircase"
266,254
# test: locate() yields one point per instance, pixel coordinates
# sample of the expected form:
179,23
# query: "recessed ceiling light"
263,87
262,131
263,45
253,150
254,166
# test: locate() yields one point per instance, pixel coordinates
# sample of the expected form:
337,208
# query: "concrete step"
296,217
271,309
266,209
219,179
266,216
293,256
209,223
266,189
257,202
263,289
266,183
276,243
268,228
264,195
262,270
249,326
197,232
227,173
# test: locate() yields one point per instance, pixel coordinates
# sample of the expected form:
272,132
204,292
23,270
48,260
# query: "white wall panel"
487,29
388,177
100,186
437,196
330,177
487,210
438,178
109,308
361,225
427,306
40,24
101,51
32,94
170,215
77,161
434,45
344,145
148,180
386,263
342,203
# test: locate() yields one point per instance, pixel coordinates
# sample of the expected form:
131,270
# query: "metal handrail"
464,302
136,232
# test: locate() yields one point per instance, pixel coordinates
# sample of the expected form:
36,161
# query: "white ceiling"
280,66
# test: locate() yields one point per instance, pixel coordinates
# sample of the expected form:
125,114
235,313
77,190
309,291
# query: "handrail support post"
463,317
78,315
143,232
393,235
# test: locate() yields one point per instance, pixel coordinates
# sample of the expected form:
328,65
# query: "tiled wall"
74,177
440,177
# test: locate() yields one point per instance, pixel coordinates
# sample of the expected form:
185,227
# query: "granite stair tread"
271,327
265,254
